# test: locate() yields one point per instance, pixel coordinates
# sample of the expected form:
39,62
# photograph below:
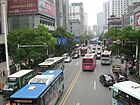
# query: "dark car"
122,76
107,79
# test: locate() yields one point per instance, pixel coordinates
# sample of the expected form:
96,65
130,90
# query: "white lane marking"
94,85
111,70
78,103
65,69
77,63
95,71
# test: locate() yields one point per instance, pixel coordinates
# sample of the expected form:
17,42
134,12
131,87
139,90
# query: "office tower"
106,12
76,17
62,8
99,23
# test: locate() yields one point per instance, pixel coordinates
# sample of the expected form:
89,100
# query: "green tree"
27,36
62,33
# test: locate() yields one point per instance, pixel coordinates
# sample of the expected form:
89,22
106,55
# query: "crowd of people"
132,66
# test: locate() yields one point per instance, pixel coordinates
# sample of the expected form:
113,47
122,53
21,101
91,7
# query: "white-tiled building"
118,7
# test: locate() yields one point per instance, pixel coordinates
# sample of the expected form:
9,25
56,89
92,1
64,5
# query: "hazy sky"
91,7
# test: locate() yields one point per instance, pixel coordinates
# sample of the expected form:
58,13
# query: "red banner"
22,7
137,19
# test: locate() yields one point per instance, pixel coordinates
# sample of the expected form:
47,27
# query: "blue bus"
44,89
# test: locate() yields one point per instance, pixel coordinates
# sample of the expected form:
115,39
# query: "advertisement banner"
46,8
18,7
137,17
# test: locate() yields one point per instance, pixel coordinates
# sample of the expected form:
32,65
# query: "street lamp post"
5,34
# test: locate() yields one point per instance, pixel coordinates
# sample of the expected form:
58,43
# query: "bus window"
51,64
87,60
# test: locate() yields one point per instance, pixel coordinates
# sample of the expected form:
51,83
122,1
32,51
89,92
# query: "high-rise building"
76,17
99,23
118,7
95,29
86,23
106,12
25,13
62,7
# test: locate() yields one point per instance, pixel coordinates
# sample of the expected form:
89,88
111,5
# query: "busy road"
84,87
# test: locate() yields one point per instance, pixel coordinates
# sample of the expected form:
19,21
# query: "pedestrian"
130,69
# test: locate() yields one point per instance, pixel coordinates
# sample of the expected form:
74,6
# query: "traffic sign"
61,41
118,41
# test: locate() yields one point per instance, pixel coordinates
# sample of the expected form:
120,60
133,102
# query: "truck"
16,81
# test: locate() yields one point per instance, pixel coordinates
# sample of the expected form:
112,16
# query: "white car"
67,60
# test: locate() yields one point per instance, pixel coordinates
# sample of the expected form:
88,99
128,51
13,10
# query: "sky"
91,7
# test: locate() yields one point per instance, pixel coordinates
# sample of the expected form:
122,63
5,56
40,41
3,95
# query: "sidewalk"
133,75
2,67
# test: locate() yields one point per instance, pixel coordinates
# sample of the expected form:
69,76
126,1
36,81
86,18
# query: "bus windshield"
87,60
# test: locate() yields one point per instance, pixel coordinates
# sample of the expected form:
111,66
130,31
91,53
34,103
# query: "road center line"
66,95
77,63
78,103
95,71
111,70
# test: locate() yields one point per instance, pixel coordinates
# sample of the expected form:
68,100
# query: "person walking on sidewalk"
130,68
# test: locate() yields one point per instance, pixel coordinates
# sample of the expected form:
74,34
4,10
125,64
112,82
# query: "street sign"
77,39
110,42
61,41
118,41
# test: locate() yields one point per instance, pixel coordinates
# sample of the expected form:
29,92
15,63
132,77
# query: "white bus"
126,93
106,57
51,64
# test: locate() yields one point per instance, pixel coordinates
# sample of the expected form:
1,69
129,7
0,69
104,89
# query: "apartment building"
118,7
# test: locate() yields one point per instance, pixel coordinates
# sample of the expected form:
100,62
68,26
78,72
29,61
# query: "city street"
83,88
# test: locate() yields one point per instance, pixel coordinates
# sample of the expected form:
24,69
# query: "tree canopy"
27,36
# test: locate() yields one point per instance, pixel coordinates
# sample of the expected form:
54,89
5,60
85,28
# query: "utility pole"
4,13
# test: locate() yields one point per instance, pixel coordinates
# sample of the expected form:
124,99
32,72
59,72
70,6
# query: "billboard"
44,7
17,7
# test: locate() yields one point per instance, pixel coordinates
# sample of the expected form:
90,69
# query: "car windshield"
8,86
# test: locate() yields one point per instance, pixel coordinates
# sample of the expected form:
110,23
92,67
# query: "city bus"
44,89
126,93
106,57
83,51
51,64
89,62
